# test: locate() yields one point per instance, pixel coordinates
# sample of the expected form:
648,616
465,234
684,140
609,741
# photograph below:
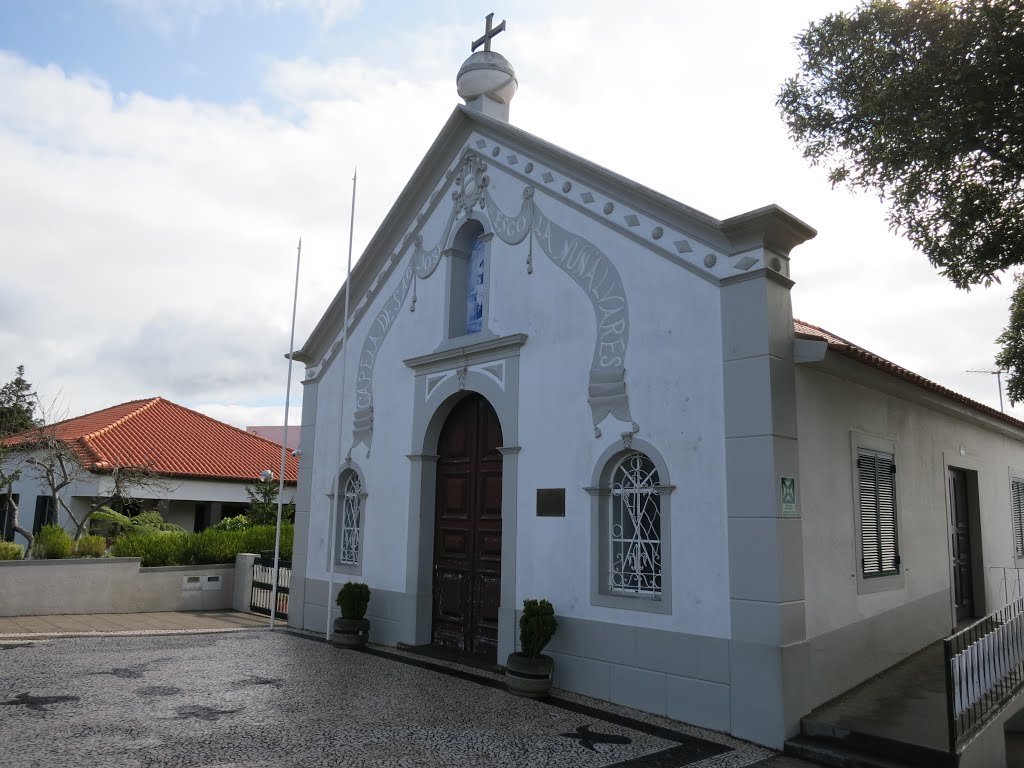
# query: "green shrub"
155,550
204,548
236,523
536,626
11,551
90,546
353,599
52,543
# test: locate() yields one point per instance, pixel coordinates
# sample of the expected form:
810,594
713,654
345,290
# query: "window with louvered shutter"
876,472
1017,510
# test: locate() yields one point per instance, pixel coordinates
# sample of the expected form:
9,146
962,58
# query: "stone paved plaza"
256,699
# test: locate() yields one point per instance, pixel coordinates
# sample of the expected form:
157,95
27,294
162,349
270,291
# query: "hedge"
90,546
204,548
52,543
11,551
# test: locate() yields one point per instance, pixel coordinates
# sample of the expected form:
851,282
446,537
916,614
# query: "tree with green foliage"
18,404
922,101
262,509
145,523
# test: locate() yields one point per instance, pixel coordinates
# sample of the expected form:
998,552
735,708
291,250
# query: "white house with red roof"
545,380
200,466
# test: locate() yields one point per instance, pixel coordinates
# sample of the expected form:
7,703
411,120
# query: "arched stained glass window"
476,281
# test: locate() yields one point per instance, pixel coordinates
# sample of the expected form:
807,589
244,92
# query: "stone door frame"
490,368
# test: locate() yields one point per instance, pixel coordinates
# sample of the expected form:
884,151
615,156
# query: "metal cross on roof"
485,41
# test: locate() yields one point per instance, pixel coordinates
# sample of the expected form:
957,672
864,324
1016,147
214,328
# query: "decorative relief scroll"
592,270
362,426
588,266
422,265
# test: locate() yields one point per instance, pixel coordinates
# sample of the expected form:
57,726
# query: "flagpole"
338,490
284,445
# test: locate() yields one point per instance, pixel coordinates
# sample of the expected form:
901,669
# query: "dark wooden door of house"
963,581
467,530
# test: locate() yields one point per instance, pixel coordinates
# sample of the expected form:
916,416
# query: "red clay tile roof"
169,439
851,350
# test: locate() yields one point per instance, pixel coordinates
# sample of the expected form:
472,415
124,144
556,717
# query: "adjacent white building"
198,466
557,383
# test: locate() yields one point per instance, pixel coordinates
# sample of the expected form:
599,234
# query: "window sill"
643,603
875,584
349,570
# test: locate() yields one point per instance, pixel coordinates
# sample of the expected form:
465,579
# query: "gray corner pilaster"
507,624
420,542
297,594
768,646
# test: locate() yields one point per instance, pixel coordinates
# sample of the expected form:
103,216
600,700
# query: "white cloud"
167,16
153,241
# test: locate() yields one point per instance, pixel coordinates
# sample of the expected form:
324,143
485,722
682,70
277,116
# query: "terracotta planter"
351,633
530,677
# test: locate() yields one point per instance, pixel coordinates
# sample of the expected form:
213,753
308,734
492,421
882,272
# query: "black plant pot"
351,633
530,677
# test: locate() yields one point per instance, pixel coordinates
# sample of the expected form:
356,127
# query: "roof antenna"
998,373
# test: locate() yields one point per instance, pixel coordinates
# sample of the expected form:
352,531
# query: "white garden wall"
111,585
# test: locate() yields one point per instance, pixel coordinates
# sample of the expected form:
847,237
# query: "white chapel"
556,383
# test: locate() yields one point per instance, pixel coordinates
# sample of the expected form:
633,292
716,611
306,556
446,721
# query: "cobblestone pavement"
260,699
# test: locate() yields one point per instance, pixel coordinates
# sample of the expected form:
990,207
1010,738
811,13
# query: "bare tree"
52,464
8,477
131,486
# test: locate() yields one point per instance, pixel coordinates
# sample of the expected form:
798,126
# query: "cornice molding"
468,354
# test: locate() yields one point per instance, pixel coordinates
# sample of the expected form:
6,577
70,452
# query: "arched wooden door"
467,530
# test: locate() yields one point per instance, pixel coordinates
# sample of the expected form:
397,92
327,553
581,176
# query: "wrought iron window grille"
634,530
351,520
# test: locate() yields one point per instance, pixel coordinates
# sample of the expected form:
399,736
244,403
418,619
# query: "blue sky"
217,56
161,158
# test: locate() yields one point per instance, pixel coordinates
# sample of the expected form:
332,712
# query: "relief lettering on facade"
592,270
422,265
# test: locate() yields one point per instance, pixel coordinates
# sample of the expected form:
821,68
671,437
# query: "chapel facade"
556,383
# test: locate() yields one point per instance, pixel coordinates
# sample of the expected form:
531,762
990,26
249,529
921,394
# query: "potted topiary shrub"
352,629
528,672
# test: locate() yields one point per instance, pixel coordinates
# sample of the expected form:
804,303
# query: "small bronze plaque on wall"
551,502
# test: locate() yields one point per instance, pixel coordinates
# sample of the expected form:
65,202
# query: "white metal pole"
338,490
284,445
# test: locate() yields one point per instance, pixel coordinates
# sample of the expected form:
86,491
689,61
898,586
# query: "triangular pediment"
711,249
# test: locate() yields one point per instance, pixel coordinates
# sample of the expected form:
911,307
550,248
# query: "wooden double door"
467,530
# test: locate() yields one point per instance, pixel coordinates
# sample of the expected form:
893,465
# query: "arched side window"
349,529
630,527
634,527
468,280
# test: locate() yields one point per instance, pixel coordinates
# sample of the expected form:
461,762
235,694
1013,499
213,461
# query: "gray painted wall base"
685,677
392,615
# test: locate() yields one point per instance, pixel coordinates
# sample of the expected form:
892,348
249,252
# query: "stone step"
831,753
873,746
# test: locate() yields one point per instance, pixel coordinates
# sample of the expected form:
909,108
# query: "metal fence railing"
1005,584
984,669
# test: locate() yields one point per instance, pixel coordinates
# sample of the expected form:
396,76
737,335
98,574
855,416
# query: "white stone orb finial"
487,73
486,80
